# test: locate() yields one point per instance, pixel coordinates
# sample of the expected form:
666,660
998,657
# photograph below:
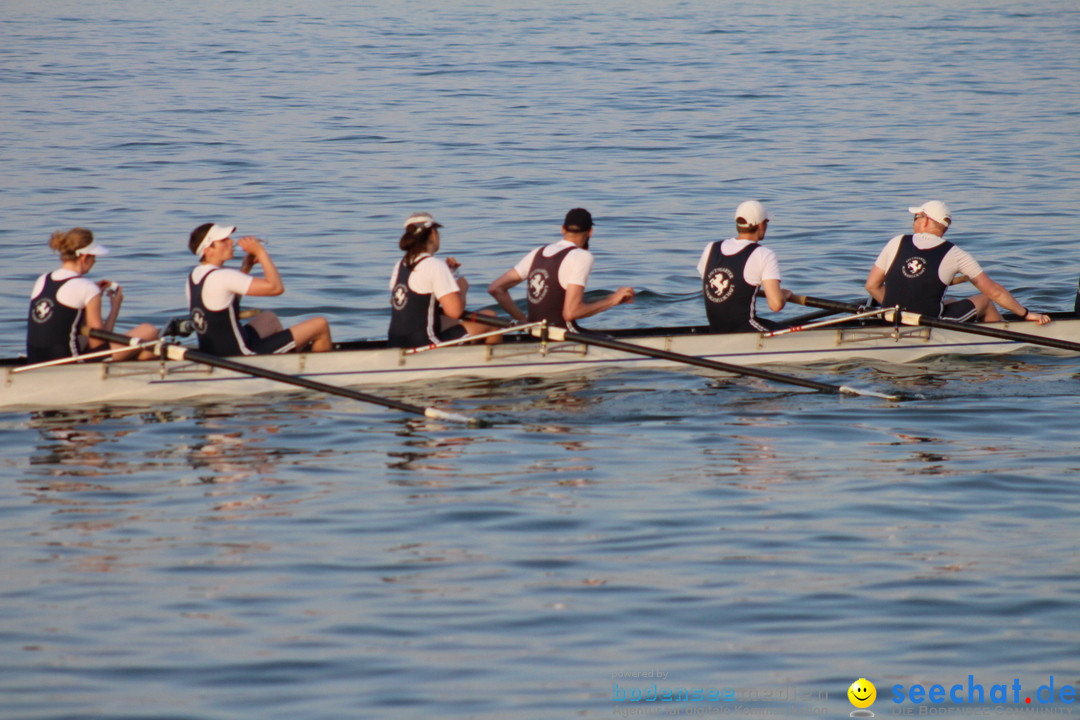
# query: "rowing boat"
372,363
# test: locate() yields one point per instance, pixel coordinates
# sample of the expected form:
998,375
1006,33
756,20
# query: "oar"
810,317
173,351
910,318
559,334
88,356
823,323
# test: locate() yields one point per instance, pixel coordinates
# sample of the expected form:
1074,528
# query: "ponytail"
414,241
67,242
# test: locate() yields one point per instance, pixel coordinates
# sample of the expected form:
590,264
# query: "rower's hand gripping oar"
909,318
173,351
558,334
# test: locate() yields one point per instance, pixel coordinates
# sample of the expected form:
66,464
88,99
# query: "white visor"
422,219
94,248
215,233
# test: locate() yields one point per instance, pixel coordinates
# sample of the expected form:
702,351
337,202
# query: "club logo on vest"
538,285
198,320
914,267
42,310
399,297
719,285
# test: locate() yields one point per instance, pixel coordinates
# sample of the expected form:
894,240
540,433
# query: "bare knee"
146,331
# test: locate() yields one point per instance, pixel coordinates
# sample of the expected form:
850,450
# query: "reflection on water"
326,537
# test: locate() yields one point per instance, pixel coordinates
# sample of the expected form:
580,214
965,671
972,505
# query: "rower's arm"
500,290
270,284
875,284
575,307
776,295
1003,298
452,304
92,321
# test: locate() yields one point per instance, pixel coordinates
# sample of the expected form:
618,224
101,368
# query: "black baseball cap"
578,220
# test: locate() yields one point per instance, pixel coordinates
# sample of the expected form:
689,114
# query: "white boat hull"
156,381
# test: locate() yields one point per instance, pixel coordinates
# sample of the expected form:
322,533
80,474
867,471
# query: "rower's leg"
314,332
266,324
475,328
985,309
145,332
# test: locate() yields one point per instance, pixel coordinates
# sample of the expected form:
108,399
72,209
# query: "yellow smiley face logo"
862,693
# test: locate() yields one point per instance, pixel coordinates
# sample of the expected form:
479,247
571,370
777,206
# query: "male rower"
914,271
735,271
213,294
557,274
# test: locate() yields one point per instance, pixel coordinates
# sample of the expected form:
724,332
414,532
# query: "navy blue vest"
415,317
913,280
729,299
546,296
218,330
52,328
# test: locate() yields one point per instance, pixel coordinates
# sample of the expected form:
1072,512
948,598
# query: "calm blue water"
305,557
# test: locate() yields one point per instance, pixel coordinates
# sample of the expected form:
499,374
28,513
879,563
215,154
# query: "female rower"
426,298
64,304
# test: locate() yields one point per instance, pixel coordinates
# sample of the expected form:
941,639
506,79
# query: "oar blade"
437,414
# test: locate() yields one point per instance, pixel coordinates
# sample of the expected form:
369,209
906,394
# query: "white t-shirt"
221,287
955,261
430,275
761,265
575,267
76,293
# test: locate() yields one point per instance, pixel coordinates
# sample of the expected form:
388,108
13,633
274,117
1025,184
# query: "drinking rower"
557,275
63,304
914,271
735,270
214,292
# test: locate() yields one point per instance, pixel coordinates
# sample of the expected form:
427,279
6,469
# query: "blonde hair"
66,242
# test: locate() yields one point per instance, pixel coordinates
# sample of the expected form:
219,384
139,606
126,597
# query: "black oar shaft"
702,362
908,318
180,352
633,349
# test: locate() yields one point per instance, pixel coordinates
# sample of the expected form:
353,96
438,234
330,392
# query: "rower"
64,304
557,274
426,300
914,271
735,271
213,294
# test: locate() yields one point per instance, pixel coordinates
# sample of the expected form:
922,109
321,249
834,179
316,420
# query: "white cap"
751,213
94,248
423,219
215,233
935,210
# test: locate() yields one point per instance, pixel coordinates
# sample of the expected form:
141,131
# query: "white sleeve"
958,261
575,268
394,274
433,275
525,264
761,265
701,263
39,285
221,285
888,254
78,292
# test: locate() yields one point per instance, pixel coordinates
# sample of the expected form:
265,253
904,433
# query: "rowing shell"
372,363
